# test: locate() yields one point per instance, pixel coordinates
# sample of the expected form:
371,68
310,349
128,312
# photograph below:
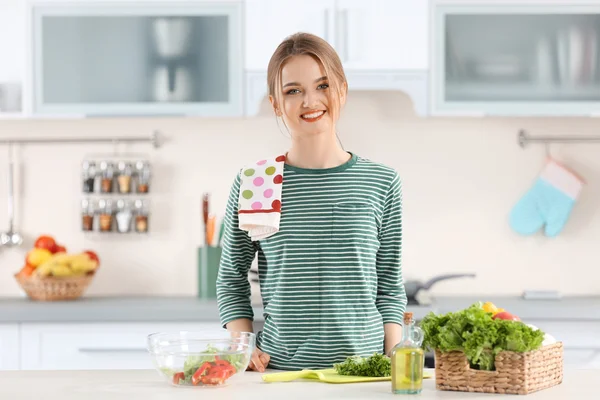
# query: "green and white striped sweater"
331,277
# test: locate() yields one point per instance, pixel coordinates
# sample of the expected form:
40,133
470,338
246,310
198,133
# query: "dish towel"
548,202
259,205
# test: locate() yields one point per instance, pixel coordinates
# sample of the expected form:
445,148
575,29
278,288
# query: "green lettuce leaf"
474,332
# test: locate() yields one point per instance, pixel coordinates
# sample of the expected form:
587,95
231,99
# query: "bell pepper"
196,378
215,376
491,308
178,377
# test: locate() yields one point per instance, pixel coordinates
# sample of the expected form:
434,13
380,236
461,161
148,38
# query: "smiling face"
304,101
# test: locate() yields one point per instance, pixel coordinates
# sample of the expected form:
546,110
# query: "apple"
507,316
59,249
45,242
93,256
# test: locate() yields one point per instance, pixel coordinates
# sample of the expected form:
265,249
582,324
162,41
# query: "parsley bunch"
375,365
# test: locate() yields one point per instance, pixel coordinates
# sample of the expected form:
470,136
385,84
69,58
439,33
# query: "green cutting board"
325,375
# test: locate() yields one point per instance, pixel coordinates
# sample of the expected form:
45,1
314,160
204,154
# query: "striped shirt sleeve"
233,287
391,296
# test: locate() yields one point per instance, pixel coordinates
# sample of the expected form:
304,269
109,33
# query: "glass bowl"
201,359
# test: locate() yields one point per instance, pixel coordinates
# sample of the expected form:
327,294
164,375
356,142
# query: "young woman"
331,276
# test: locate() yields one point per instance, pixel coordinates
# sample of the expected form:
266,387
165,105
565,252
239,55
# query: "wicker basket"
54,289
516,373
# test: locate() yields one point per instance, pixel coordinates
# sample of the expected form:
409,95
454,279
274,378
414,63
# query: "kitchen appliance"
413,287
172,83
172,36
10,238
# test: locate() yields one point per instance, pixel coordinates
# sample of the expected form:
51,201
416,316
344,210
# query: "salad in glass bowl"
198,359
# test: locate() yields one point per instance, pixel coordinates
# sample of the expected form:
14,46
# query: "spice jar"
88,176
106,217
107,173
123,217
87,216
124,178
143,176
141,217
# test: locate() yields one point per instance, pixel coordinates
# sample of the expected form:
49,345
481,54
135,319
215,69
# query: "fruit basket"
516,373
52,274
54,288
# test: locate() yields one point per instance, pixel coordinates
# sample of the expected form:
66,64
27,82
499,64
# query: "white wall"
461,178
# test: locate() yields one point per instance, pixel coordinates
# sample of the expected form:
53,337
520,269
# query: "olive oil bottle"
408,359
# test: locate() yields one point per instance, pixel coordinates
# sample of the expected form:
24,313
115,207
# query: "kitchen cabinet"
581,340
382,35
12,57
383,45
268,22
9,346
63,346
510,59
136,58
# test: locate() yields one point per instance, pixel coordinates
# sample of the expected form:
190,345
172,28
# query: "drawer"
9,346
96,345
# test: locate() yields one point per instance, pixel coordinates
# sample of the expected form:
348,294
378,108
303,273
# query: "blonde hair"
307,44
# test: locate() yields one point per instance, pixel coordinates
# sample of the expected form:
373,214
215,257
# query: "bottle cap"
408,317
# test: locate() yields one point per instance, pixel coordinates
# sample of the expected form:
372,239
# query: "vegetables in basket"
479,335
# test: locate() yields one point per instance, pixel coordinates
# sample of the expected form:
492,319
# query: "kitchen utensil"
412,287
174,354
11,238
205,210
210,229
221,232
325,375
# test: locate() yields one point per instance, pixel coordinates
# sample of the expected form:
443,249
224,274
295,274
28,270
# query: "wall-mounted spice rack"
115,215
116,192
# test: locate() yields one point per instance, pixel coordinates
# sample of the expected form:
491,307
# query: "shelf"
12,116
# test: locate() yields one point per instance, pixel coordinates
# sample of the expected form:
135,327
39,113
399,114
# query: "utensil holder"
209,258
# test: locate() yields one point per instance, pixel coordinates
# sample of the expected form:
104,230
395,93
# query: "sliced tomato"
178,377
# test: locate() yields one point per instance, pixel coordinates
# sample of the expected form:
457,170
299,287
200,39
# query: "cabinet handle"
345,14
112,350
326,24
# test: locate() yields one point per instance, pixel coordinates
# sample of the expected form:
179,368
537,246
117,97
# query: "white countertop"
148,385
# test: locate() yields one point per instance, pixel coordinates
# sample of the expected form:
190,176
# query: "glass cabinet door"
517,60
140,59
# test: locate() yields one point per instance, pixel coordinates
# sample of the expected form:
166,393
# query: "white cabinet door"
96,345
137,58
581,341
9,346
268,22
385,34
12,55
